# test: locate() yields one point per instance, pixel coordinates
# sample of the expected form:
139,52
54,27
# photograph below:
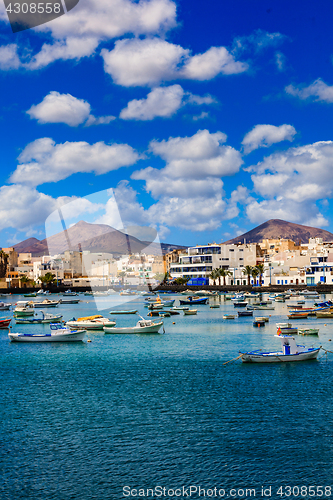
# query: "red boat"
298,315
4,323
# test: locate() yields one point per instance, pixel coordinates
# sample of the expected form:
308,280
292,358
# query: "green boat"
30,295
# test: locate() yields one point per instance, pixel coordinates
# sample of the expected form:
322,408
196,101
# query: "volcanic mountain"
277,228
93,237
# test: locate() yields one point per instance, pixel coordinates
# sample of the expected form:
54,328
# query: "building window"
278,282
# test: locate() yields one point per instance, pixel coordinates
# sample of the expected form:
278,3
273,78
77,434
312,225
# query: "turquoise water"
81,421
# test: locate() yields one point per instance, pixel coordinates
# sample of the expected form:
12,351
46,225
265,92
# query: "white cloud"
203,115
318,90
305,214
217,60
161,102
280,60
78,33
199,156
189,189
258,40
65,108
135,62
45,161
266,135
22,207
292,182
9,58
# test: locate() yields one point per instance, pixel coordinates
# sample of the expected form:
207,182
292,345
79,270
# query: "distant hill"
92,237
277,228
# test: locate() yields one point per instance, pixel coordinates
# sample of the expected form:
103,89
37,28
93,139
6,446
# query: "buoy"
173,323
325,325
88,340
329,340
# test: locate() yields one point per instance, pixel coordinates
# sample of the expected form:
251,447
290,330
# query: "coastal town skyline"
199,137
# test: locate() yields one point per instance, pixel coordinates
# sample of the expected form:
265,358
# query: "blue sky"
203,119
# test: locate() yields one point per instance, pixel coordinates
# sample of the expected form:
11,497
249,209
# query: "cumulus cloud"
45,161
318,91
266,135
286,180
280,60
161,102
135,62
189,189
15,199
78,33
202,155
65,108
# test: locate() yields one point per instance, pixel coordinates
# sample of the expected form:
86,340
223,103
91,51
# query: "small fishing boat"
69,301
24,308
290,352
298,315
308,331
142,326
258,323
190,312
58,334
129,311
88,294
193,300
4,306
245,313
214,306
262,318
69,293
30,295
46,303
172,312
46,318
229,316
179,308
5,322
324,314
164,314
43,292
155,306
96,322
286,329
240,303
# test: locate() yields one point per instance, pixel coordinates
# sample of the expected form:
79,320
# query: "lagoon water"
83,420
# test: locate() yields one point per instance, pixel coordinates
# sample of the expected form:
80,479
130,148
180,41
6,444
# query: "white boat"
110,291
58,334
229,316
180,308
24,308
46,303
190,312
46,318
308,331
43,292
142,326
4,306
96,322
290,352
70,293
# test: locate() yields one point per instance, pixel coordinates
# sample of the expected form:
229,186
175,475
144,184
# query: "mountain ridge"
92,237
278,228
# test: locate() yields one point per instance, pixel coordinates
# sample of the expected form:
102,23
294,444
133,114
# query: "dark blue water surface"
82,420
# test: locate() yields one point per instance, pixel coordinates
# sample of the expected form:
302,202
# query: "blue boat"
194,300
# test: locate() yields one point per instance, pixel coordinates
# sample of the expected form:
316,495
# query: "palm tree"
24,279
261,269
214,275
224,273
48,279
247,270
254,273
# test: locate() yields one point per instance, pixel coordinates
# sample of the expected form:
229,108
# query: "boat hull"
89,325
279,357
76,336
145,329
